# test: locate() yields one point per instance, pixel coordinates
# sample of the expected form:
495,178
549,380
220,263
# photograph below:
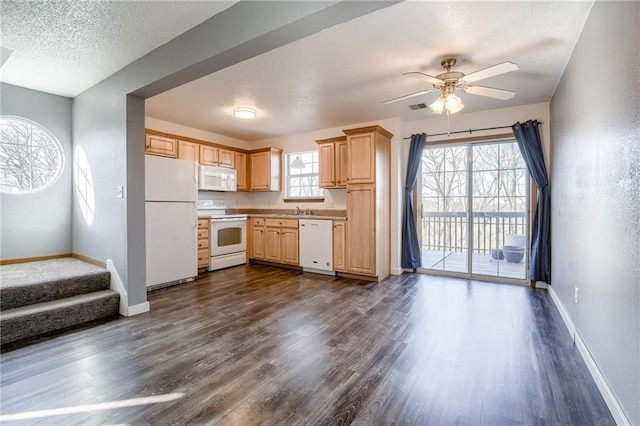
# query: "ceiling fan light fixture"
246,113
452,102
438,105
456,109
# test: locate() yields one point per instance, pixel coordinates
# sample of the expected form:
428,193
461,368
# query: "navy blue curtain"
528,137
411,257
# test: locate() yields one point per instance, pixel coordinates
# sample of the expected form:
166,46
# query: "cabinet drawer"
203,258
203,234
285,223
203,244
203,223
258,221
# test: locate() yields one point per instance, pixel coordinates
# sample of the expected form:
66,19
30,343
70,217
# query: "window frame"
55,145
288,158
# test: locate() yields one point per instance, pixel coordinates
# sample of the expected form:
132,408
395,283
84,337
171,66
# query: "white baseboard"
396,271
138,309
603,386
117,286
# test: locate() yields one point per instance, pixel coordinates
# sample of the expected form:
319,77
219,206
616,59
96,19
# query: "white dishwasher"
316,246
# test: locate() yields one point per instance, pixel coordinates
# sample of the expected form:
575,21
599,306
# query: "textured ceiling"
341,75
66,46
333,78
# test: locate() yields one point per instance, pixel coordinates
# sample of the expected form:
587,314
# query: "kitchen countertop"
296,216
316,214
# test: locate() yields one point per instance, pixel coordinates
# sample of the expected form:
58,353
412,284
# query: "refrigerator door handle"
195,201
194,215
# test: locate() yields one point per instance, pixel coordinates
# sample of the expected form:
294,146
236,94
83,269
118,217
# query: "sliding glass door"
473,217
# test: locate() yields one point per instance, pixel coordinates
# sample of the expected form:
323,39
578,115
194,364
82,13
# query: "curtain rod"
470,131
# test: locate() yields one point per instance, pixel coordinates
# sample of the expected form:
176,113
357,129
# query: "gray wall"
108,119
595,133
38,224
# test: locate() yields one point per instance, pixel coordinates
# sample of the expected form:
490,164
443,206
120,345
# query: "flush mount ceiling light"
450,80
244,113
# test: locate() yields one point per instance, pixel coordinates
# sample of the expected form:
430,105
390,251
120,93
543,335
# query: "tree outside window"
302,175
30,157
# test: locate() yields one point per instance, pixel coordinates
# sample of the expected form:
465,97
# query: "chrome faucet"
298,211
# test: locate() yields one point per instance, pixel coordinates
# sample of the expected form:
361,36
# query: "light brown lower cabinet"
203,242
339,245
279,240
290,246
257,238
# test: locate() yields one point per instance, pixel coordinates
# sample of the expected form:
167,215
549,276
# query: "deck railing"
447,231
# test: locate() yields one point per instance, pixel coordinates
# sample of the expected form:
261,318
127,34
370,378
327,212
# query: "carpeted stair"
45,296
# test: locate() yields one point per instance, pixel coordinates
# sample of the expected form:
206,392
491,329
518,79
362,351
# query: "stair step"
44,281
28,321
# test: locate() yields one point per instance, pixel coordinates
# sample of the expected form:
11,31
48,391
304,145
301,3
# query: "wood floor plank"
260,345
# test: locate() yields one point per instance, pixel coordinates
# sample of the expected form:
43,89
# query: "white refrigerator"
171,219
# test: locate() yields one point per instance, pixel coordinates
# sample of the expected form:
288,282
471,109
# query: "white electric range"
227,234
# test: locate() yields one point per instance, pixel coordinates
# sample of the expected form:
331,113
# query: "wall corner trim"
598,377
138,309
118,286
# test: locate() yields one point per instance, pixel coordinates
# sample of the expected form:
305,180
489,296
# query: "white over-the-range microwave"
211,178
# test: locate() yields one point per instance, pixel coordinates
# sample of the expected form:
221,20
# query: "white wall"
39,223
595,198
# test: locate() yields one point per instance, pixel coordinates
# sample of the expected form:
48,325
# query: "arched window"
31,158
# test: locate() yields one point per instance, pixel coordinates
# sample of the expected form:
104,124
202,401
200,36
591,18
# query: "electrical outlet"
576,294
119,191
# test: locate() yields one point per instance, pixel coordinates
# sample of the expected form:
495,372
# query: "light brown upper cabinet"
208,155
369,151
265,165
189,151
226,158
160,145
333,162
362,147
241,171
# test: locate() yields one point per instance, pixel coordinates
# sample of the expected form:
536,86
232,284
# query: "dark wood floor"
262,345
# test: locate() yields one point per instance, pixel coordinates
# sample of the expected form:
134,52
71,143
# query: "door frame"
531,197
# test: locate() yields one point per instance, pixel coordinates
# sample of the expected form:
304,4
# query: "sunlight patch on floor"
91,407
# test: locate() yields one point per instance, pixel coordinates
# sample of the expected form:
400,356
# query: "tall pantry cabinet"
368,215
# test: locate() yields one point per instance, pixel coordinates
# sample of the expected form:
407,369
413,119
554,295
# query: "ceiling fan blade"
411,95
424,77
489,92
491,71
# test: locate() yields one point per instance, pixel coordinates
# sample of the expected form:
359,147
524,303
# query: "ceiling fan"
450,80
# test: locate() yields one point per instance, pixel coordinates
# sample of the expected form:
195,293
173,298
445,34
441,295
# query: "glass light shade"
456,109
452,102
244,113
438,105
